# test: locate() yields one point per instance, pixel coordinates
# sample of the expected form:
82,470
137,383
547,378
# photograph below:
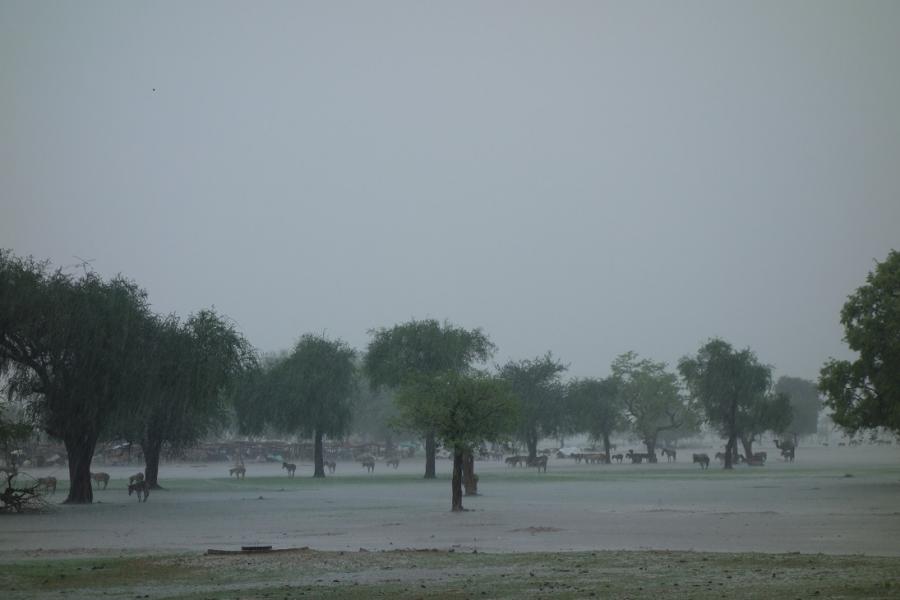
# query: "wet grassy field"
418,574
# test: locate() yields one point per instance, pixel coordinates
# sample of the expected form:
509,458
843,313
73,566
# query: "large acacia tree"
651,398
463,410
408,352
734,390
192,366
76,349
596,406
536,384
865,393
310,391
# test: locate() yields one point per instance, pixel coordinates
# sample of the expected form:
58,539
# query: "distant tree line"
93,362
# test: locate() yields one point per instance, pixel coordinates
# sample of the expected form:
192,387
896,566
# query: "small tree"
312,390
537,387
409,351
463,410
596,405
865,393
651,396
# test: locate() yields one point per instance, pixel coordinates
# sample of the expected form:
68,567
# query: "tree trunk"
80,452
470,479
606,446
152,450
729,452
748,447
651,450
456,482
318,456
531,440
429,455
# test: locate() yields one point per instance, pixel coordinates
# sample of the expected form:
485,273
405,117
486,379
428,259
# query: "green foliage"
311,389
423,348
805,403
192,368
462,409
596,406
865,393
540,393
73,347
651,396
376,414
734,390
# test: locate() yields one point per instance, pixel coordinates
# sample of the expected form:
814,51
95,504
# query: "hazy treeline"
92,361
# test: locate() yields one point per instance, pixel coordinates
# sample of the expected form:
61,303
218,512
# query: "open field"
833,502
416,574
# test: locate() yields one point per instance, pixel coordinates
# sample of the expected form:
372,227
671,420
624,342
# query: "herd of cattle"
138,485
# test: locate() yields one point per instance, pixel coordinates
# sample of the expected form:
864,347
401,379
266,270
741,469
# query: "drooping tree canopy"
310,391
75,349
865,393
191,367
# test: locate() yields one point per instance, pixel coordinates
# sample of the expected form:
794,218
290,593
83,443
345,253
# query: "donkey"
142,488
703,459
393,462
291,468
239,472
330,464
101,478
540,462
369,463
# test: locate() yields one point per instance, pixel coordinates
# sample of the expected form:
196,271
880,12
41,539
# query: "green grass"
569,473
418,574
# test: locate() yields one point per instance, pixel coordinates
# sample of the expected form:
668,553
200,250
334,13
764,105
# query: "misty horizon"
586,179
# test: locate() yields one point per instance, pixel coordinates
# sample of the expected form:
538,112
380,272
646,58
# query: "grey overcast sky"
582,177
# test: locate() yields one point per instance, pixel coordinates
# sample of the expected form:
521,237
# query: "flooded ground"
832,500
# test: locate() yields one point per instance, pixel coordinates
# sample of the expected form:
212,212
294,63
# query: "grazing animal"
669,454
239,472
48,483
787,448
101,478
703,459
540,462
393,462
291,468
514,461
142,488
330,464
594,458
618,457
139,476
637,457
369,464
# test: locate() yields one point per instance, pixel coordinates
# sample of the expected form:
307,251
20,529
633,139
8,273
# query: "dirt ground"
832,500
